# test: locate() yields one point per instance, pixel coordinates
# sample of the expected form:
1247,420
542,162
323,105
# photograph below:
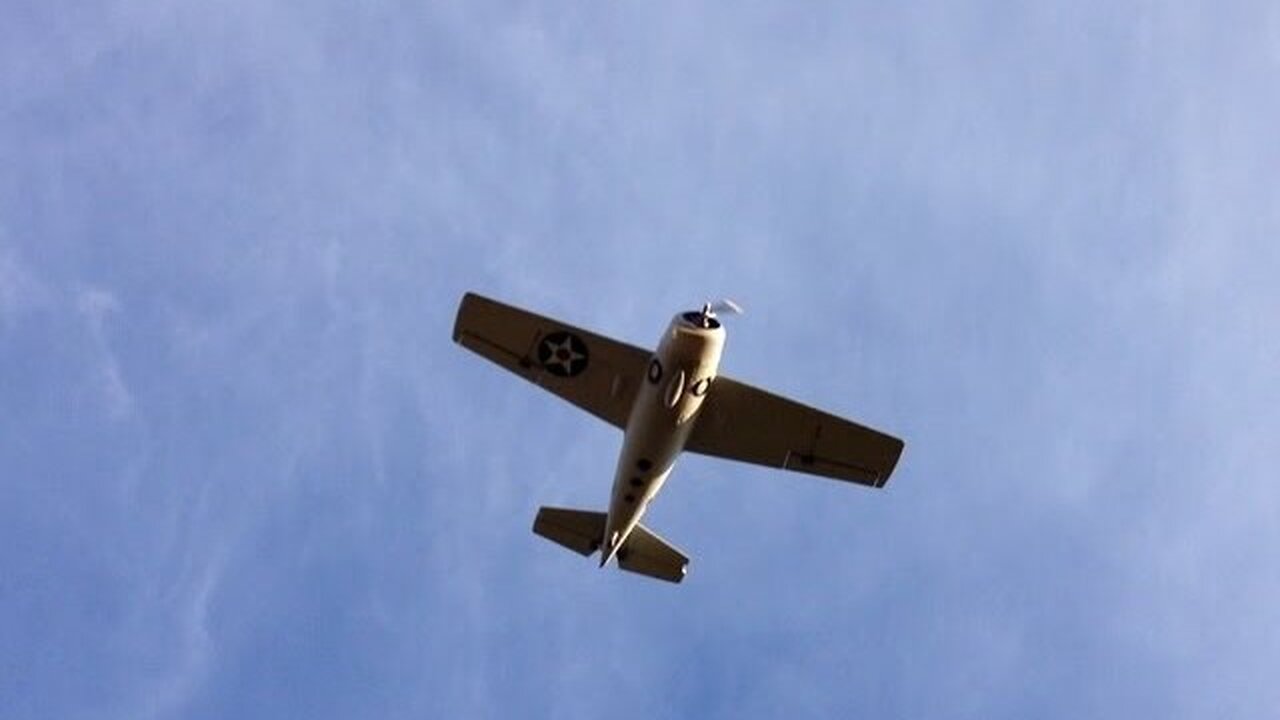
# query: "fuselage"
677,381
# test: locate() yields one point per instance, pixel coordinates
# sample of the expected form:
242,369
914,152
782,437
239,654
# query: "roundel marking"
563,354
655,370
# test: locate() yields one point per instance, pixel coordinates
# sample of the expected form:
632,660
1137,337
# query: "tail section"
579,530
646,553
582,531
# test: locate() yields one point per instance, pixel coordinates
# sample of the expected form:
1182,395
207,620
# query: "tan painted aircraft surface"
665,401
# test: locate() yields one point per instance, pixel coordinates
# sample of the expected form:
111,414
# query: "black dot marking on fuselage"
563,354
629,498
644,464
636,482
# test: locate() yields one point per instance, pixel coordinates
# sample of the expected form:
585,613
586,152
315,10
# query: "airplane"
665,401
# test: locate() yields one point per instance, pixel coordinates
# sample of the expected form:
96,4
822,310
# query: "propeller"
724,305
711,309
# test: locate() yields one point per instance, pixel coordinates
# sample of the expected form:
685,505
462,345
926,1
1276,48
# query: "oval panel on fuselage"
675,389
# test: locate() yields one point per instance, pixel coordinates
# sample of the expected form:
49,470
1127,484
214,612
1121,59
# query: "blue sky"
245,473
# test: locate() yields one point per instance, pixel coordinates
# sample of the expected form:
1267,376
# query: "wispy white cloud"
176,621
1034,242
20,289
98,308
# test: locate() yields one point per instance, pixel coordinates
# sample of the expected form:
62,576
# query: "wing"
740,422
595,373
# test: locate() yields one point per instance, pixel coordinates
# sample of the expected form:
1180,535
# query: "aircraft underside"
666,401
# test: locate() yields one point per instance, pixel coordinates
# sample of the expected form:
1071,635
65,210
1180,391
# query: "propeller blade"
726,305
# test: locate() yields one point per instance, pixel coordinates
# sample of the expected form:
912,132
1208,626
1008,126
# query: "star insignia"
563,354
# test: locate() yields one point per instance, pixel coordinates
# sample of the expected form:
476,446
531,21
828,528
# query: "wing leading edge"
596,373
741,422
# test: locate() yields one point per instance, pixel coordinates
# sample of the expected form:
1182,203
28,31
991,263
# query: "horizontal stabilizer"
647,554
579,530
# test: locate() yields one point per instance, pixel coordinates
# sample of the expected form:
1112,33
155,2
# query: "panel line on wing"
523,361
820,465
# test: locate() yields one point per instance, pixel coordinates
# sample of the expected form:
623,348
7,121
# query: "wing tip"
468,301
894,456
